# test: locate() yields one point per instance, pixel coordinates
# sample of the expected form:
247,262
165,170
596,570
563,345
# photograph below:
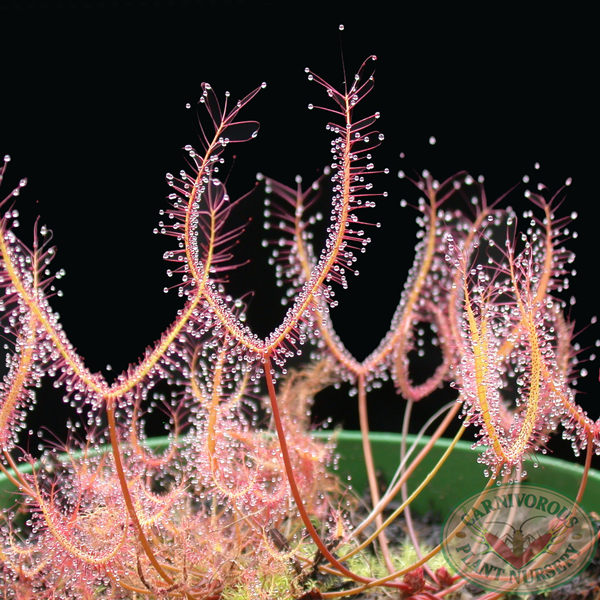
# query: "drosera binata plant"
241,503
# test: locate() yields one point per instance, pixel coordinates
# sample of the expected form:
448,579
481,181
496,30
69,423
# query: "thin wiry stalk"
370,465
404,490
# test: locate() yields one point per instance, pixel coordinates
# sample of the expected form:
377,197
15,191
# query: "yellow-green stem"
391,493
417,491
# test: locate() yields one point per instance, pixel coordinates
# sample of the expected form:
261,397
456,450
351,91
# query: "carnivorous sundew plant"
242,503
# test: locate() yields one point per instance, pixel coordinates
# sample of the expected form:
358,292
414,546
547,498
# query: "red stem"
296,492
110,412
370,466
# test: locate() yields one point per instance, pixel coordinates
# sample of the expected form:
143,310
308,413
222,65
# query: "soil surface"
585,586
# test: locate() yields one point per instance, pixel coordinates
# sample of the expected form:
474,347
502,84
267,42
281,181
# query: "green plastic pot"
460,477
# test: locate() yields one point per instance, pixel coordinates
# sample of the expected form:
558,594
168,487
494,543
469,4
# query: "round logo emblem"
518,538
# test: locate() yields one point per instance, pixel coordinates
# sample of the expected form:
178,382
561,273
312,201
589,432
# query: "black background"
92,111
